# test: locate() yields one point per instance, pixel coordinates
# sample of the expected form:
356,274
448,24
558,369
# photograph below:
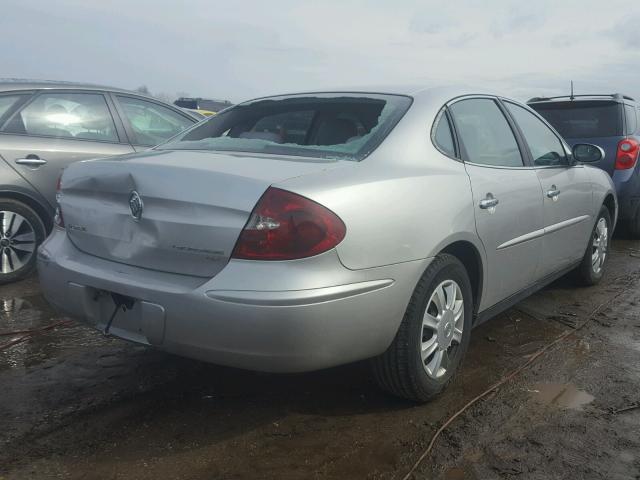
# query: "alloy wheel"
442,327
17,241
600,245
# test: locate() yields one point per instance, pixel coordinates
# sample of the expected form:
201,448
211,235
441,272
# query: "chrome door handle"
31,162
553,192
487,203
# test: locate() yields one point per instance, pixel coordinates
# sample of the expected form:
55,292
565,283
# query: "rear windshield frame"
403,104
617,130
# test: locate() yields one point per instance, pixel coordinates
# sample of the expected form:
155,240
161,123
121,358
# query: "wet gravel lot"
74,404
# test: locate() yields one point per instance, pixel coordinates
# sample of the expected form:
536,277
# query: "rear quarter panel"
394,216
406,201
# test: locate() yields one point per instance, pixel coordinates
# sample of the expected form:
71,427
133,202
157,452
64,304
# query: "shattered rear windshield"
341,126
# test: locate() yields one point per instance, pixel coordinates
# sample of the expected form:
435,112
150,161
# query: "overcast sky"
238,50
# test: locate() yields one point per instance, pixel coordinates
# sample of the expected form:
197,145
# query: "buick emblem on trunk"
135,205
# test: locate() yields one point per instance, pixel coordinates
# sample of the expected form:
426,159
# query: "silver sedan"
299,232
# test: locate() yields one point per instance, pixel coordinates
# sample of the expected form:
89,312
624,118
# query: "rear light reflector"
627,154
287,226
58,219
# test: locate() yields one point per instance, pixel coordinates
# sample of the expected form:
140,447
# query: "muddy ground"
76,405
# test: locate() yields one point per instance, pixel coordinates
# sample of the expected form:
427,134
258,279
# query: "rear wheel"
591,269
433,336
21,231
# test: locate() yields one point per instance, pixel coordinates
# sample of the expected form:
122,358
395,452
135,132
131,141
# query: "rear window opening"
583,119
340,126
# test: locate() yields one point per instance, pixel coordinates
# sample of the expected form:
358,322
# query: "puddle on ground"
33,312
455,473
458,473
562,395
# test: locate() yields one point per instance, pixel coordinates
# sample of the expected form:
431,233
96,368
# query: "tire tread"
584,274
391,369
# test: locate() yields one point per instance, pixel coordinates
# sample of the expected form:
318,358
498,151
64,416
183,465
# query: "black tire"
10,269
401,370
587,273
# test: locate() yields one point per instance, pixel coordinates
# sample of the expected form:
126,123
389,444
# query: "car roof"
11,84
605,97
436,94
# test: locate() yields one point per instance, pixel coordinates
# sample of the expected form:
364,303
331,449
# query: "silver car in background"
299,232
44,126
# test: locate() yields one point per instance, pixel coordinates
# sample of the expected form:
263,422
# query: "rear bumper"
629,207
270,316
627,183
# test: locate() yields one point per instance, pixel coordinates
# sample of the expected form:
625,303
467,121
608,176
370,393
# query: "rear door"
568,202
506,194
55,128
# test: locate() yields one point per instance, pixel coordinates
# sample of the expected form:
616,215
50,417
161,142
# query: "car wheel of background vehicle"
591,269
433,336
21,231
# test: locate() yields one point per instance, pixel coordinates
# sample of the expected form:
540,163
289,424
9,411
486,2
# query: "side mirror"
587,153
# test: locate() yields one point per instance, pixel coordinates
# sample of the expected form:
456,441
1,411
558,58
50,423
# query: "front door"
567,215
506,194
567,193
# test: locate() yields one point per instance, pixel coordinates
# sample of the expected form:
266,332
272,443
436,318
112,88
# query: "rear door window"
582,118
545,147
152,123
632,122
80,116
485,133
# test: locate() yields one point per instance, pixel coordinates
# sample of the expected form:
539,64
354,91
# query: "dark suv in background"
610,121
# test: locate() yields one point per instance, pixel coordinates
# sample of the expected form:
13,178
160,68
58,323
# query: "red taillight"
286,226
58,219
627,154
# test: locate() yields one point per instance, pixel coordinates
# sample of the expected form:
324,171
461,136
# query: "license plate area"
116,314
136,319
121,303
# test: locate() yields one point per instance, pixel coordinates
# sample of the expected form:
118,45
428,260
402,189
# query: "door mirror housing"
587,153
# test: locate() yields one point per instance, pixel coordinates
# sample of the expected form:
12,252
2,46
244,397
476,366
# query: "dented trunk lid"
193,205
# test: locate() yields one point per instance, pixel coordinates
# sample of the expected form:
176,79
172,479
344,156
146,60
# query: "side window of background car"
441,136
150,122
545,146
485,133
82,116
630,113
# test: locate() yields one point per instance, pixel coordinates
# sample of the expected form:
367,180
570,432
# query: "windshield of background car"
191,104
583,119
342,126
